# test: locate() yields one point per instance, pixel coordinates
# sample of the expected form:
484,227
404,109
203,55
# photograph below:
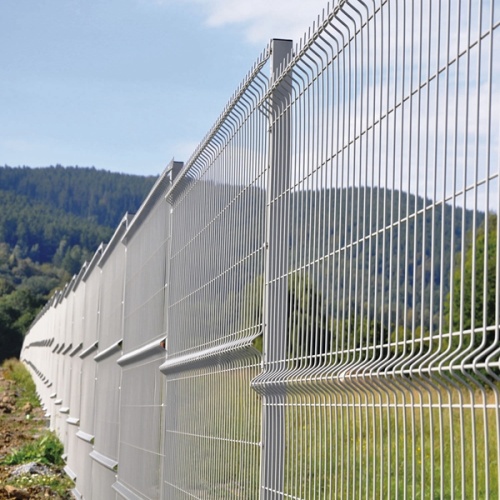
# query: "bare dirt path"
22,429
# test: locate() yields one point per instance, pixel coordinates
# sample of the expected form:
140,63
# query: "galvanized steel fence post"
276,288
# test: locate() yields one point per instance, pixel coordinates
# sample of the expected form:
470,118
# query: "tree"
474,306
478,257
309,336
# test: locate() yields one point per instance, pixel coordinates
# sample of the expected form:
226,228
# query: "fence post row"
309,307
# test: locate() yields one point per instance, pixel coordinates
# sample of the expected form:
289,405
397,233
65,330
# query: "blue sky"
127,85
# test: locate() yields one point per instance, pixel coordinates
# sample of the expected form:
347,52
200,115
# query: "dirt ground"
19,424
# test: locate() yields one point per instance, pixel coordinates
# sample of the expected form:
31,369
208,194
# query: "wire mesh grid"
332,315
110,334
73,416
389,373
142,385
90,323
216,269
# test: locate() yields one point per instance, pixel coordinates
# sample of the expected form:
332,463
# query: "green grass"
364,439
361,443
14,370
47,449
218,430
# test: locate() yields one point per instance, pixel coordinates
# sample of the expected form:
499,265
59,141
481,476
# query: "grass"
218,430
14,370
59,484
44,449
416,438
412,438
381,443
47,449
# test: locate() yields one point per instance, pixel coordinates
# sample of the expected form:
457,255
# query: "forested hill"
52,220
97,195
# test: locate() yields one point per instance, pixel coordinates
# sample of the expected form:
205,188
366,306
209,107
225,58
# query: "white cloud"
262,20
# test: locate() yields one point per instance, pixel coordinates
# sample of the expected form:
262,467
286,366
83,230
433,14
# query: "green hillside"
363,252
371,261
52,220
97,195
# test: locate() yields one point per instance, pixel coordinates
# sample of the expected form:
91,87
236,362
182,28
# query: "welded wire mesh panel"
146,278
35,354
108,373
143,385
65,367
141,427
73,416
90,324
212,433
58,364
390,355
112,293
77,347
82,466
216,268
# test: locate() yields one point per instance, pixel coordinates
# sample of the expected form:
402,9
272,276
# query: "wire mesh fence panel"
73,415
58,368
212,433
86,432
64,383
108,372
324,272
389,368
92,279
141,429
216,265
143,386
147,241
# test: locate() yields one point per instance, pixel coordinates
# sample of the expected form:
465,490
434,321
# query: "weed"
14,370
59,484
46,450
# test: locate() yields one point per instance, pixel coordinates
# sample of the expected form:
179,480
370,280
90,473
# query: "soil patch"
22,422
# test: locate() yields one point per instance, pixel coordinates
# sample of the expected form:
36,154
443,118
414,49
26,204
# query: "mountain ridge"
52,219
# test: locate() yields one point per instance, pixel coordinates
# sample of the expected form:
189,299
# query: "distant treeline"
52,220
97,195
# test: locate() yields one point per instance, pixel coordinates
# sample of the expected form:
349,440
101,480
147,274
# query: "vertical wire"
452,259
407,330
497,323
486,242
313,334
301,282
326,310
350,243
342,217
374,326
357,237
423,355
461,346
337,138
432,342
317,280
477,101
388,223
292,420
363,412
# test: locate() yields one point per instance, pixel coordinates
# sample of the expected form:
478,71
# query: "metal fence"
310,306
